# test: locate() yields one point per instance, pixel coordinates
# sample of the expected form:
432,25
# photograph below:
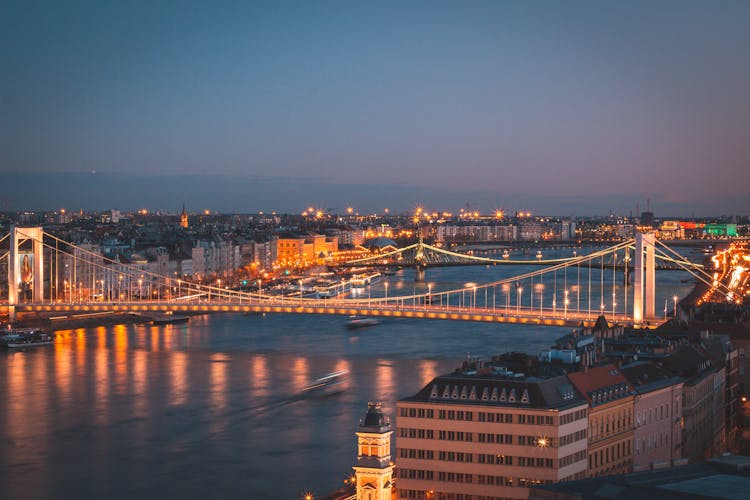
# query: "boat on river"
25,337
327,385
356,322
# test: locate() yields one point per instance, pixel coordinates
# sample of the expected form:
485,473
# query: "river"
211,408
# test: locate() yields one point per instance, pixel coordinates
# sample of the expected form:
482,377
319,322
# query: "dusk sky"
555,107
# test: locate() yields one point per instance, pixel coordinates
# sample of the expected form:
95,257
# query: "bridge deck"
546,317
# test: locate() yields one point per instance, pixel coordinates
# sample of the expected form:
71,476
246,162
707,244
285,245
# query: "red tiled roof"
597,378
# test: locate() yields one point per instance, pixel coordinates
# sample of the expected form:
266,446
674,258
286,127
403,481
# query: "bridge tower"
420,259
374,470
644,279
25,269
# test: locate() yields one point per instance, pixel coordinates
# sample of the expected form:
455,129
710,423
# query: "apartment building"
489,433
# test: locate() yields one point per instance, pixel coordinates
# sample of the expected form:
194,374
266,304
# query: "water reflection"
217,400
427,371
179,370
259,381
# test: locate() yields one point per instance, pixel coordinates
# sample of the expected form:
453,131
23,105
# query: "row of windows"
533,441
436,495
412,453
611,423
491,459
455,415
417,412
503,418
484,437
499,459
546,463
535,419
658,440
573,437
572,417
415,474
661,412
416,433
573,458
455,436
609,454
460,477
455,456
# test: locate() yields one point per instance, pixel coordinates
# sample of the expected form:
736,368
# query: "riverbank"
72,321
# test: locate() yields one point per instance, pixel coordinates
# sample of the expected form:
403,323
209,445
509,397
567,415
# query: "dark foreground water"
211,409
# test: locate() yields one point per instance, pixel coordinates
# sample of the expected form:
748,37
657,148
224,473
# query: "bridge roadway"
545,317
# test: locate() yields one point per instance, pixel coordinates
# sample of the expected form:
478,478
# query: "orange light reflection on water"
121,357
101,372
259,382
140,381
218,381
179,369
301,375
427,371
63,364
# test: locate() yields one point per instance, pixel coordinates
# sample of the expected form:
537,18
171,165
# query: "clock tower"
374,469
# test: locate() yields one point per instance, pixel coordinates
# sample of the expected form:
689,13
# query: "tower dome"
374,420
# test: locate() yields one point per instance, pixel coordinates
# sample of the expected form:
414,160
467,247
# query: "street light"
518,301
674,298
473,286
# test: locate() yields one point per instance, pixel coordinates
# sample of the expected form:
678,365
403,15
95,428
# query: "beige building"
610,434
489,434
305,250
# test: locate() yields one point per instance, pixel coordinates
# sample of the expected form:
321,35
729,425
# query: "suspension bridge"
47,275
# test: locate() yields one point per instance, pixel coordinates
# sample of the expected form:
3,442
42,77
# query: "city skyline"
556,108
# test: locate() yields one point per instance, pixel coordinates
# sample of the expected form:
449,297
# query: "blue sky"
560,107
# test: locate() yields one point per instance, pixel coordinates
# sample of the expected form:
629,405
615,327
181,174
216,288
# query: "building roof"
374,421
502,389
601,384
647,377
723,477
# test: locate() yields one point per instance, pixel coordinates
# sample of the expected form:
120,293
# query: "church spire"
183,217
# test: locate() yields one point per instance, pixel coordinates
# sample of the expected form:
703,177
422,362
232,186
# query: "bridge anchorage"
48,275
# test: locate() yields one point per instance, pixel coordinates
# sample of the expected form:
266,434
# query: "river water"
211,408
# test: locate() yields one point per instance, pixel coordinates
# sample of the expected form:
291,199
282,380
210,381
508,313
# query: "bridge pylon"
25,270
644,279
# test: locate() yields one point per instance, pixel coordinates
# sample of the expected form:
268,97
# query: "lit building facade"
610,434
489,434
657,410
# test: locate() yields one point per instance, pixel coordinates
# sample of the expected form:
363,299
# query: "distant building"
183,218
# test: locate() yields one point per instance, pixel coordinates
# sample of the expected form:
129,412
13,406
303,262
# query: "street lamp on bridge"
518,301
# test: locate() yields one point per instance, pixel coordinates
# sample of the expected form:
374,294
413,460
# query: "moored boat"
168,319
26,337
